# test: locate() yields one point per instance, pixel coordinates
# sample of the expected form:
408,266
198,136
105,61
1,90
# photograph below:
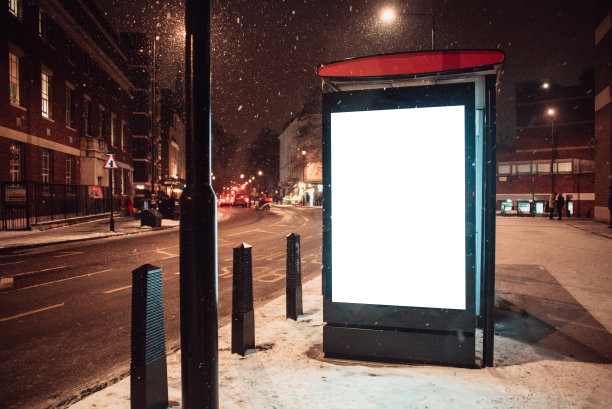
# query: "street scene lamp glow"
387,15
546,85
242,176
550,112
260,173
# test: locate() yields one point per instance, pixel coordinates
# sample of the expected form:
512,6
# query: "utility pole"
198,228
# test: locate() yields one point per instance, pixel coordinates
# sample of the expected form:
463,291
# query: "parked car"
242,200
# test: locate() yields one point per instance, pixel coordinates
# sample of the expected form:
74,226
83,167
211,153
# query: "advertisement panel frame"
389,332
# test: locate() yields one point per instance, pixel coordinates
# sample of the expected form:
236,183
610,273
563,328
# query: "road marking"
14,262
251,231
31,312
165,253
38,271
117,289
63,279
68,253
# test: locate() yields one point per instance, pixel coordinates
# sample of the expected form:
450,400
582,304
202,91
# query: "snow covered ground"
288,370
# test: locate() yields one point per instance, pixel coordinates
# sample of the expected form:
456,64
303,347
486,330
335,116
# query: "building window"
69,106
46,166
123,135
87,116
112,130
101,123
45,28
46,95
503,169
70,47
563,167
68,169
13,6
15,152
524,168
543,167
14,78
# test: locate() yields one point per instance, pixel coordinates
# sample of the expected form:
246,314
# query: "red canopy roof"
397,65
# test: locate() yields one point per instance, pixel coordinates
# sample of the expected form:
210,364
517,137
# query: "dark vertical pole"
489,244
112,220
198,231
148,370
243,316
294,277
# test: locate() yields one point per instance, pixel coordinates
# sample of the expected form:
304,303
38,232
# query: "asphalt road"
65,325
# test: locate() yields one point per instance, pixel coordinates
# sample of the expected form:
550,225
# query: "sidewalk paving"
89,230
288,370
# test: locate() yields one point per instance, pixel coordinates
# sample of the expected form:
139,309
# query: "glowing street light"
387,15
260,173
546,85
242,176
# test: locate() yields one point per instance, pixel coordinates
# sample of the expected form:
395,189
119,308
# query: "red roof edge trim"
405,64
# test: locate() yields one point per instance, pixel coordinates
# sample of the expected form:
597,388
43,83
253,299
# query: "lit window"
44,26
524,168
543,167
14,7
14,78
69,106
15,162
563,167
46,95
504,169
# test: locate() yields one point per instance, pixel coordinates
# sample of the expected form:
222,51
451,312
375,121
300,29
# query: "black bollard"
243,316
294,277
148,373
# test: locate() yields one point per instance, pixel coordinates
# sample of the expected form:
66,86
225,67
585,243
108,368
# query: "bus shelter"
409,207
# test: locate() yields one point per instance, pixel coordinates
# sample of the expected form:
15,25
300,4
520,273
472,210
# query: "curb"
4,250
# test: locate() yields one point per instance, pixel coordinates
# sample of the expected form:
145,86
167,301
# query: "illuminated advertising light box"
399,241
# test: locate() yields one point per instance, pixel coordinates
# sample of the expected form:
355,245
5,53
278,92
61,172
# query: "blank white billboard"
398,207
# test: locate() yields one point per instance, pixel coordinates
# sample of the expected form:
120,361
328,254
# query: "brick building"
603,118
66,102
172,139
554,129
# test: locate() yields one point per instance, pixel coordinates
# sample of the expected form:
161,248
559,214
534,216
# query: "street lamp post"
551,113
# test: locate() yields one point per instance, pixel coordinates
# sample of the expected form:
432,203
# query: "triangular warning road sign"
111,163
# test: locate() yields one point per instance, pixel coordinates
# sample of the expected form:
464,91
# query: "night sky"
265,53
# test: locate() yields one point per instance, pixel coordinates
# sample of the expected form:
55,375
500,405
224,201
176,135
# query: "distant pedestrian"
560,204
610,206
551,206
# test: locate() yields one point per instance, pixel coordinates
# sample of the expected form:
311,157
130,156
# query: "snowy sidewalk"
289,371
94,229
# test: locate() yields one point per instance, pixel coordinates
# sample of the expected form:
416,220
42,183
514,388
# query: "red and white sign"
111,163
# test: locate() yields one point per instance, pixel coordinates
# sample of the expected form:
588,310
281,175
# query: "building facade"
144,120
65,98
603,118
553,150
300,159
172,139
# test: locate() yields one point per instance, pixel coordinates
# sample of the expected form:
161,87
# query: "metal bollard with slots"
294,277
243,316
148,372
